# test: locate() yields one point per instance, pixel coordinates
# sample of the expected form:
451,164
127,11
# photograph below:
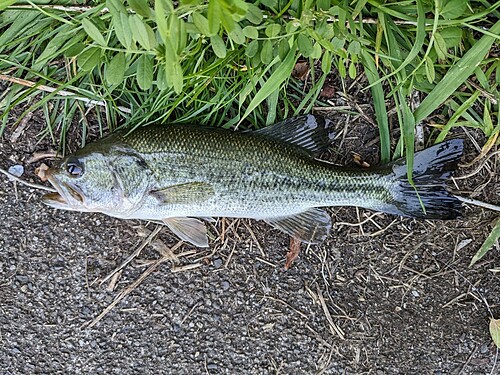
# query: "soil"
383,295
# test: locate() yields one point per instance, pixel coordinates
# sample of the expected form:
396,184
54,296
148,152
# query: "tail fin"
431,169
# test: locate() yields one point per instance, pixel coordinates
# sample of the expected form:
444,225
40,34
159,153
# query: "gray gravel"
369,301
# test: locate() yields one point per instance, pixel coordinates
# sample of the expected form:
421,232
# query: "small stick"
127,291
475,202
20,180
134,254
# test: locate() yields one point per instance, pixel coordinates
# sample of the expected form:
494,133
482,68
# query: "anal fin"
188,229
311,226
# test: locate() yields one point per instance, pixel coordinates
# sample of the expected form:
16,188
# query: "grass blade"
379,104
275,80
487,244
457,75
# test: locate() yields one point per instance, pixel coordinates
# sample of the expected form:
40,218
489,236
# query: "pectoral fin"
189,230
311,226
190,192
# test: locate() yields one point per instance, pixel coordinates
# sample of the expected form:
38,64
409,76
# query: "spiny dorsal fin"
311,226
311,132
188,229
190,192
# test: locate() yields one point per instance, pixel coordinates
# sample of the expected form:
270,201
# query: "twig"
20,180
65,93
475,202
333,327
134,254
127,291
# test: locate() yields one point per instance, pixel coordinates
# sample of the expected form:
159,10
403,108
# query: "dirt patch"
383,295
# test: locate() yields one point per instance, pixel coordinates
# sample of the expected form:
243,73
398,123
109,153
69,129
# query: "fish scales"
250,173
179,173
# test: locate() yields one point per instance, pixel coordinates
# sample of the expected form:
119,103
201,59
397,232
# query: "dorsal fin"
311,132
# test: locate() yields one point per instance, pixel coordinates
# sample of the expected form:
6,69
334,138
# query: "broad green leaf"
354,48
490,241
270,3
122,29
440,46
326,62
161,79
457,74
495,331
341,68
181,35
142,32
201,23
453,9
115,70
283,48
252,48
74,50
452,36
273,30
305,45
145,72
174,32
317,51
251,32
93,31
429,69
254,14
214,17
161,18
141,7
352,70
237,35
5,3
218,46
323,4
227,20
177,78
115,7
89,58
280,75
267,52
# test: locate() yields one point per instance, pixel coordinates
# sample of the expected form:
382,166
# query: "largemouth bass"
179,174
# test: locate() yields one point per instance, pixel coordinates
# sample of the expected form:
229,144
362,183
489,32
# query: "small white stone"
16,170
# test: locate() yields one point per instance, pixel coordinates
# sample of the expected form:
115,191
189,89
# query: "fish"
183,175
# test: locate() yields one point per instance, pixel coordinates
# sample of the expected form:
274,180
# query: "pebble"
16,170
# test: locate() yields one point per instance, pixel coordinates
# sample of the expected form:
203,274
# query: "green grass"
229,62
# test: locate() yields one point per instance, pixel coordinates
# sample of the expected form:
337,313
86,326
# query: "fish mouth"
66,196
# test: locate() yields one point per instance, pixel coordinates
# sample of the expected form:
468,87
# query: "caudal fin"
431,169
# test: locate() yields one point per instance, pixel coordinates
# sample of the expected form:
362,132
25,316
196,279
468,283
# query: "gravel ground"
384,295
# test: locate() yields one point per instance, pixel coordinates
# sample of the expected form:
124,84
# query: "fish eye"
74,167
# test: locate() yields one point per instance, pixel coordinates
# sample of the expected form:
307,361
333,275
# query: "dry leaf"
328,90
301,70
495,331
293,253
358,159
41,172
